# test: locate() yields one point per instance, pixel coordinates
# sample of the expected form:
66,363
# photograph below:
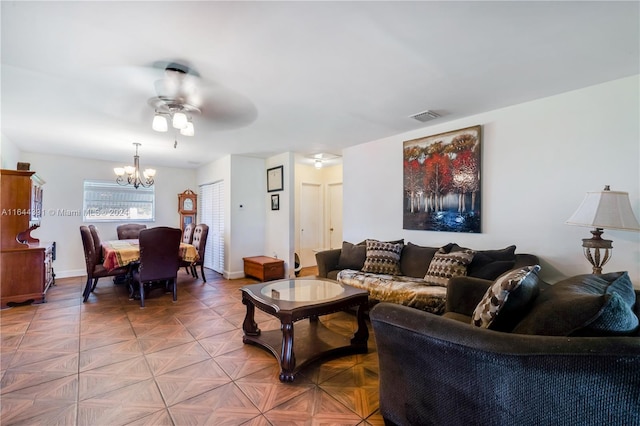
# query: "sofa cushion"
584,305
485,263
415,260
352,256
492,270
503,297
446,265
408,291
383,258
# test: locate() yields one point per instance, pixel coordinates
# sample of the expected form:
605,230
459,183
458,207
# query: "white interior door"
335,216
310,223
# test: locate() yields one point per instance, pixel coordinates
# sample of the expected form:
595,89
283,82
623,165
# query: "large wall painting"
442,190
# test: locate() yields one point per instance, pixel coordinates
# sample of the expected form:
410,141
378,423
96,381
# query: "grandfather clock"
187,207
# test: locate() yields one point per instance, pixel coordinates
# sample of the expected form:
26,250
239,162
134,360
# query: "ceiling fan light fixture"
160,123
317,164
179,120
188,129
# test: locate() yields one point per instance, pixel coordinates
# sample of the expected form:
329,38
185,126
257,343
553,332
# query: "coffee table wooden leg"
249,325
362,333
288,358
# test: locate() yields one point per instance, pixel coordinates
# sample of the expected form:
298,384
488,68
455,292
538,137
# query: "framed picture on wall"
442,190
275,179
275,202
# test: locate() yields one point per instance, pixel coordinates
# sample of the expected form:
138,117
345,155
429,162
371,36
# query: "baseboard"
233,275
69,273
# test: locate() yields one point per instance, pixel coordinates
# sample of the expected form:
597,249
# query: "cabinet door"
22,277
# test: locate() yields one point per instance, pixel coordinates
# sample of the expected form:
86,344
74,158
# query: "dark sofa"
410,283
442,370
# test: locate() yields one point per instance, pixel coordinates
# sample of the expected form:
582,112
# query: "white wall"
279,224
9,153
244,184
248,183
538,161
63,190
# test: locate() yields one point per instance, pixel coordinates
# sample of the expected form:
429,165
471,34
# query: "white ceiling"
304,77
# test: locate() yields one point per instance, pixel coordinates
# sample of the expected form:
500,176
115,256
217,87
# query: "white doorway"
335,215
310,222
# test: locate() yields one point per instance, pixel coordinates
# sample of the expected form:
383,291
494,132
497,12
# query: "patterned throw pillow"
447,265
496,296
383,258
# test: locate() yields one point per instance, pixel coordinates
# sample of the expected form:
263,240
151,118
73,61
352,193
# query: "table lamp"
603,210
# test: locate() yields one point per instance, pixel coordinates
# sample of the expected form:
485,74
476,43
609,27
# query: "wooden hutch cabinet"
26,264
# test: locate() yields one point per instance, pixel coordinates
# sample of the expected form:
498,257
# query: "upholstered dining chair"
187,237
93,260
159,259
129,231
200,234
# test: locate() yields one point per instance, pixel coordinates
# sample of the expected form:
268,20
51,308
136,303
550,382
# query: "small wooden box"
264,268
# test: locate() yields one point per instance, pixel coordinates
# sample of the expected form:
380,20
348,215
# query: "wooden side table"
264,268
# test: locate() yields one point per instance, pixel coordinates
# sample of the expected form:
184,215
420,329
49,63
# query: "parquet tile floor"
109,362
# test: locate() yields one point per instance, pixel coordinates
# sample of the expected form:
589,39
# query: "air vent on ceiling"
425,116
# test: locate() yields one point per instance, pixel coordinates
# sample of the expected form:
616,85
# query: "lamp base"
597,250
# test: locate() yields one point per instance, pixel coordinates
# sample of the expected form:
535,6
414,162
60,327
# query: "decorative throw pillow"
447,265
482,265
584,305
383,258
495,299
415,260
352,256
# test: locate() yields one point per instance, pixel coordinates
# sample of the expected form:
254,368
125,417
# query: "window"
106,201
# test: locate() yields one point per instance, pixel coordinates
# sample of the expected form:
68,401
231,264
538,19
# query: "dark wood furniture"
264,268
295,300
26,264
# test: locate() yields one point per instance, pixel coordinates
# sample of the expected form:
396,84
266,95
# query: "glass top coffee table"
295,300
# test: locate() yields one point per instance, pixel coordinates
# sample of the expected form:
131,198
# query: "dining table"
118,253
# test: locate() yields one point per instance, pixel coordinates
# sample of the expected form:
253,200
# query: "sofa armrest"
434,370
464,294
327,261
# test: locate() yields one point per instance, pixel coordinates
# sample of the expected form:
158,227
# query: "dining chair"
200,234
187,237
93,260
129,231
159,259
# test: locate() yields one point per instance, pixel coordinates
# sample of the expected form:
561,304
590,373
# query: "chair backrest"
97,243
89,249
159,253
187,235
200,239
129,231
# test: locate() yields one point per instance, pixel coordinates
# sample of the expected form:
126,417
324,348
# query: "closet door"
212,213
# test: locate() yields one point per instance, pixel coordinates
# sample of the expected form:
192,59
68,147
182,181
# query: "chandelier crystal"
133,173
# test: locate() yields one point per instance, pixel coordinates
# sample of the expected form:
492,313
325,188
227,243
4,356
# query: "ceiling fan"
130,94
182,93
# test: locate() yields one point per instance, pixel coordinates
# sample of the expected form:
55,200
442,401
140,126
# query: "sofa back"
330,262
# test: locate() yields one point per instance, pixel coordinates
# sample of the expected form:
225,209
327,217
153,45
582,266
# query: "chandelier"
133,173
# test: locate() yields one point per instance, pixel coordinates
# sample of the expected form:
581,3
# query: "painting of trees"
442,181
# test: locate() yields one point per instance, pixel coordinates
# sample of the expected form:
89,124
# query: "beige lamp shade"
606,210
